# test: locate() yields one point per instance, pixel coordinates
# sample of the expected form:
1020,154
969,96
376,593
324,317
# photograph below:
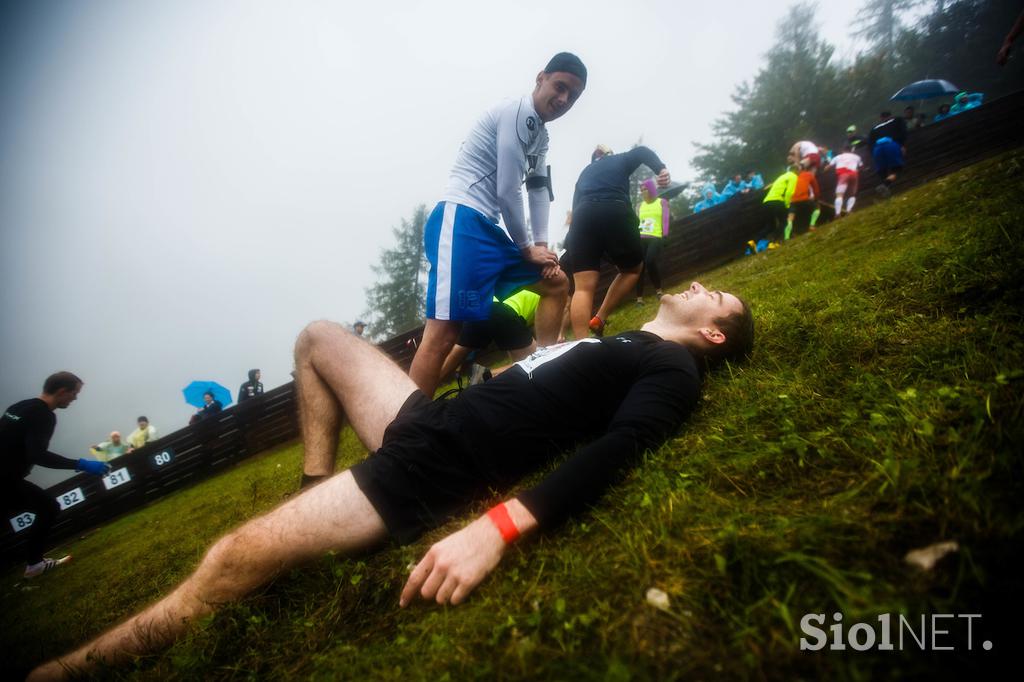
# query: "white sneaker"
35,570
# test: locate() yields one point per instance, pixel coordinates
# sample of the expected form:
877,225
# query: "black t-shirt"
608,177
25,431
619,395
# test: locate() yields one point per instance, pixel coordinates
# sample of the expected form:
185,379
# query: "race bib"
549,353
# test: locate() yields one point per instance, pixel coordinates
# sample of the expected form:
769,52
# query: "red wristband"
498,514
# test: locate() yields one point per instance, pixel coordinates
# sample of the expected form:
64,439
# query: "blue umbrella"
194,393
926,90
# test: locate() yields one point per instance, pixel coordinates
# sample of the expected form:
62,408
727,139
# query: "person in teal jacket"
965,102
733,187
711,198
753,181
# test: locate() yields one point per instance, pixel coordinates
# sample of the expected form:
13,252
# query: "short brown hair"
738,328
61,380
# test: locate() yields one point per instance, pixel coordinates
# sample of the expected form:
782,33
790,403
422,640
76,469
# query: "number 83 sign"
70,498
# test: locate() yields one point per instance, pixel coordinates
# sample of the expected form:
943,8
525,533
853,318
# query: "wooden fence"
696,243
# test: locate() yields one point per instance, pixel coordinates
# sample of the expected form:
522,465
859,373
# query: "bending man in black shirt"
25,432
603,223
620,395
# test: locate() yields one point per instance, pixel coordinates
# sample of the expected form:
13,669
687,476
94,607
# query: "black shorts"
423,473
604,228
505,328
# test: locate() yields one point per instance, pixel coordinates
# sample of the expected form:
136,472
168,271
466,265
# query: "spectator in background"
25,431
943,113
253,387
847,167
359,327
965,102
888,140
110,449
776,203
754,181
853,139
733,187
604,224
909,118
145,433
212,407
805,200
711,198
654,217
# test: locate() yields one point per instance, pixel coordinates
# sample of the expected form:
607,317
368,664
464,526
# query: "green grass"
877,416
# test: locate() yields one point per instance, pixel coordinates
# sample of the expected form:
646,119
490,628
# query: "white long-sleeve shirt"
508,143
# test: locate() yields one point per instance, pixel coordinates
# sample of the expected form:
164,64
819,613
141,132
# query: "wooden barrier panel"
696,243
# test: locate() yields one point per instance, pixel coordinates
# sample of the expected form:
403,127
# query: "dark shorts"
604,228
422,475
505,328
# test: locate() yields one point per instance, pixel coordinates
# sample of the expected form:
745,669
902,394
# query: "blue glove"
92,466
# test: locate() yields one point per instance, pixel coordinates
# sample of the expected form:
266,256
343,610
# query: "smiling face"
697,307
555,94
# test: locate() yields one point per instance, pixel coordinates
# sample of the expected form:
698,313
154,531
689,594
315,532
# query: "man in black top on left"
25,431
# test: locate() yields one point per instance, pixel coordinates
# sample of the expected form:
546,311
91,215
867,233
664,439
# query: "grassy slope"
876,417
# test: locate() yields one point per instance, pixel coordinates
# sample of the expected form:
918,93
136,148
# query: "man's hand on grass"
453,567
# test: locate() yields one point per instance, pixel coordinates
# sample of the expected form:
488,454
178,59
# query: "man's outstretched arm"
454,566
653,409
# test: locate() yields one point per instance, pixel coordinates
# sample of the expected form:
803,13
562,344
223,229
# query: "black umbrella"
926,90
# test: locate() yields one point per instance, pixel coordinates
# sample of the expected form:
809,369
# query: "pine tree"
797,95
879,22
396,302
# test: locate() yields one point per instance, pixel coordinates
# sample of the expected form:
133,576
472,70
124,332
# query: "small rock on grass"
925,558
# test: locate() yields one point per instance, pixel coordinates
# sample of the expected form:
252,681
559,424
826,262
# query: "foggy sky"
185,184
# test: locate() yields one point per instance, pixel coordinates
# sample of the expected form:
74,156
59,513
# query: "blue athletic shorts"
471,261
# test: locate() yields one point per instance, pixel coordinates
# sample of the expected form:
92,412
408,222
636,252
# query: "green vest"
650,218
524,303
782,189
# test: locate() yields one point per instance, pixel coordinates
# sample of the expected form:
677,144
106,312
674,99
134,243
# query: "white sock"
849,203
839,205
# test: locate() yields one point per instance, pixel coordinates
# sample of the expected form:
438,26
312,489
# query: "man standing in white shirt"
472,258
847,167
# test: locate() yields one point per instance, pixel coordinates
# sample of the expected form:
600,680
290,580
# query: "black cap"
569,63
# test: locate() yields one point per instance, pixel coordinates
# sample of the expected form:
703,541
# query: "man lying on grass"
618,396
